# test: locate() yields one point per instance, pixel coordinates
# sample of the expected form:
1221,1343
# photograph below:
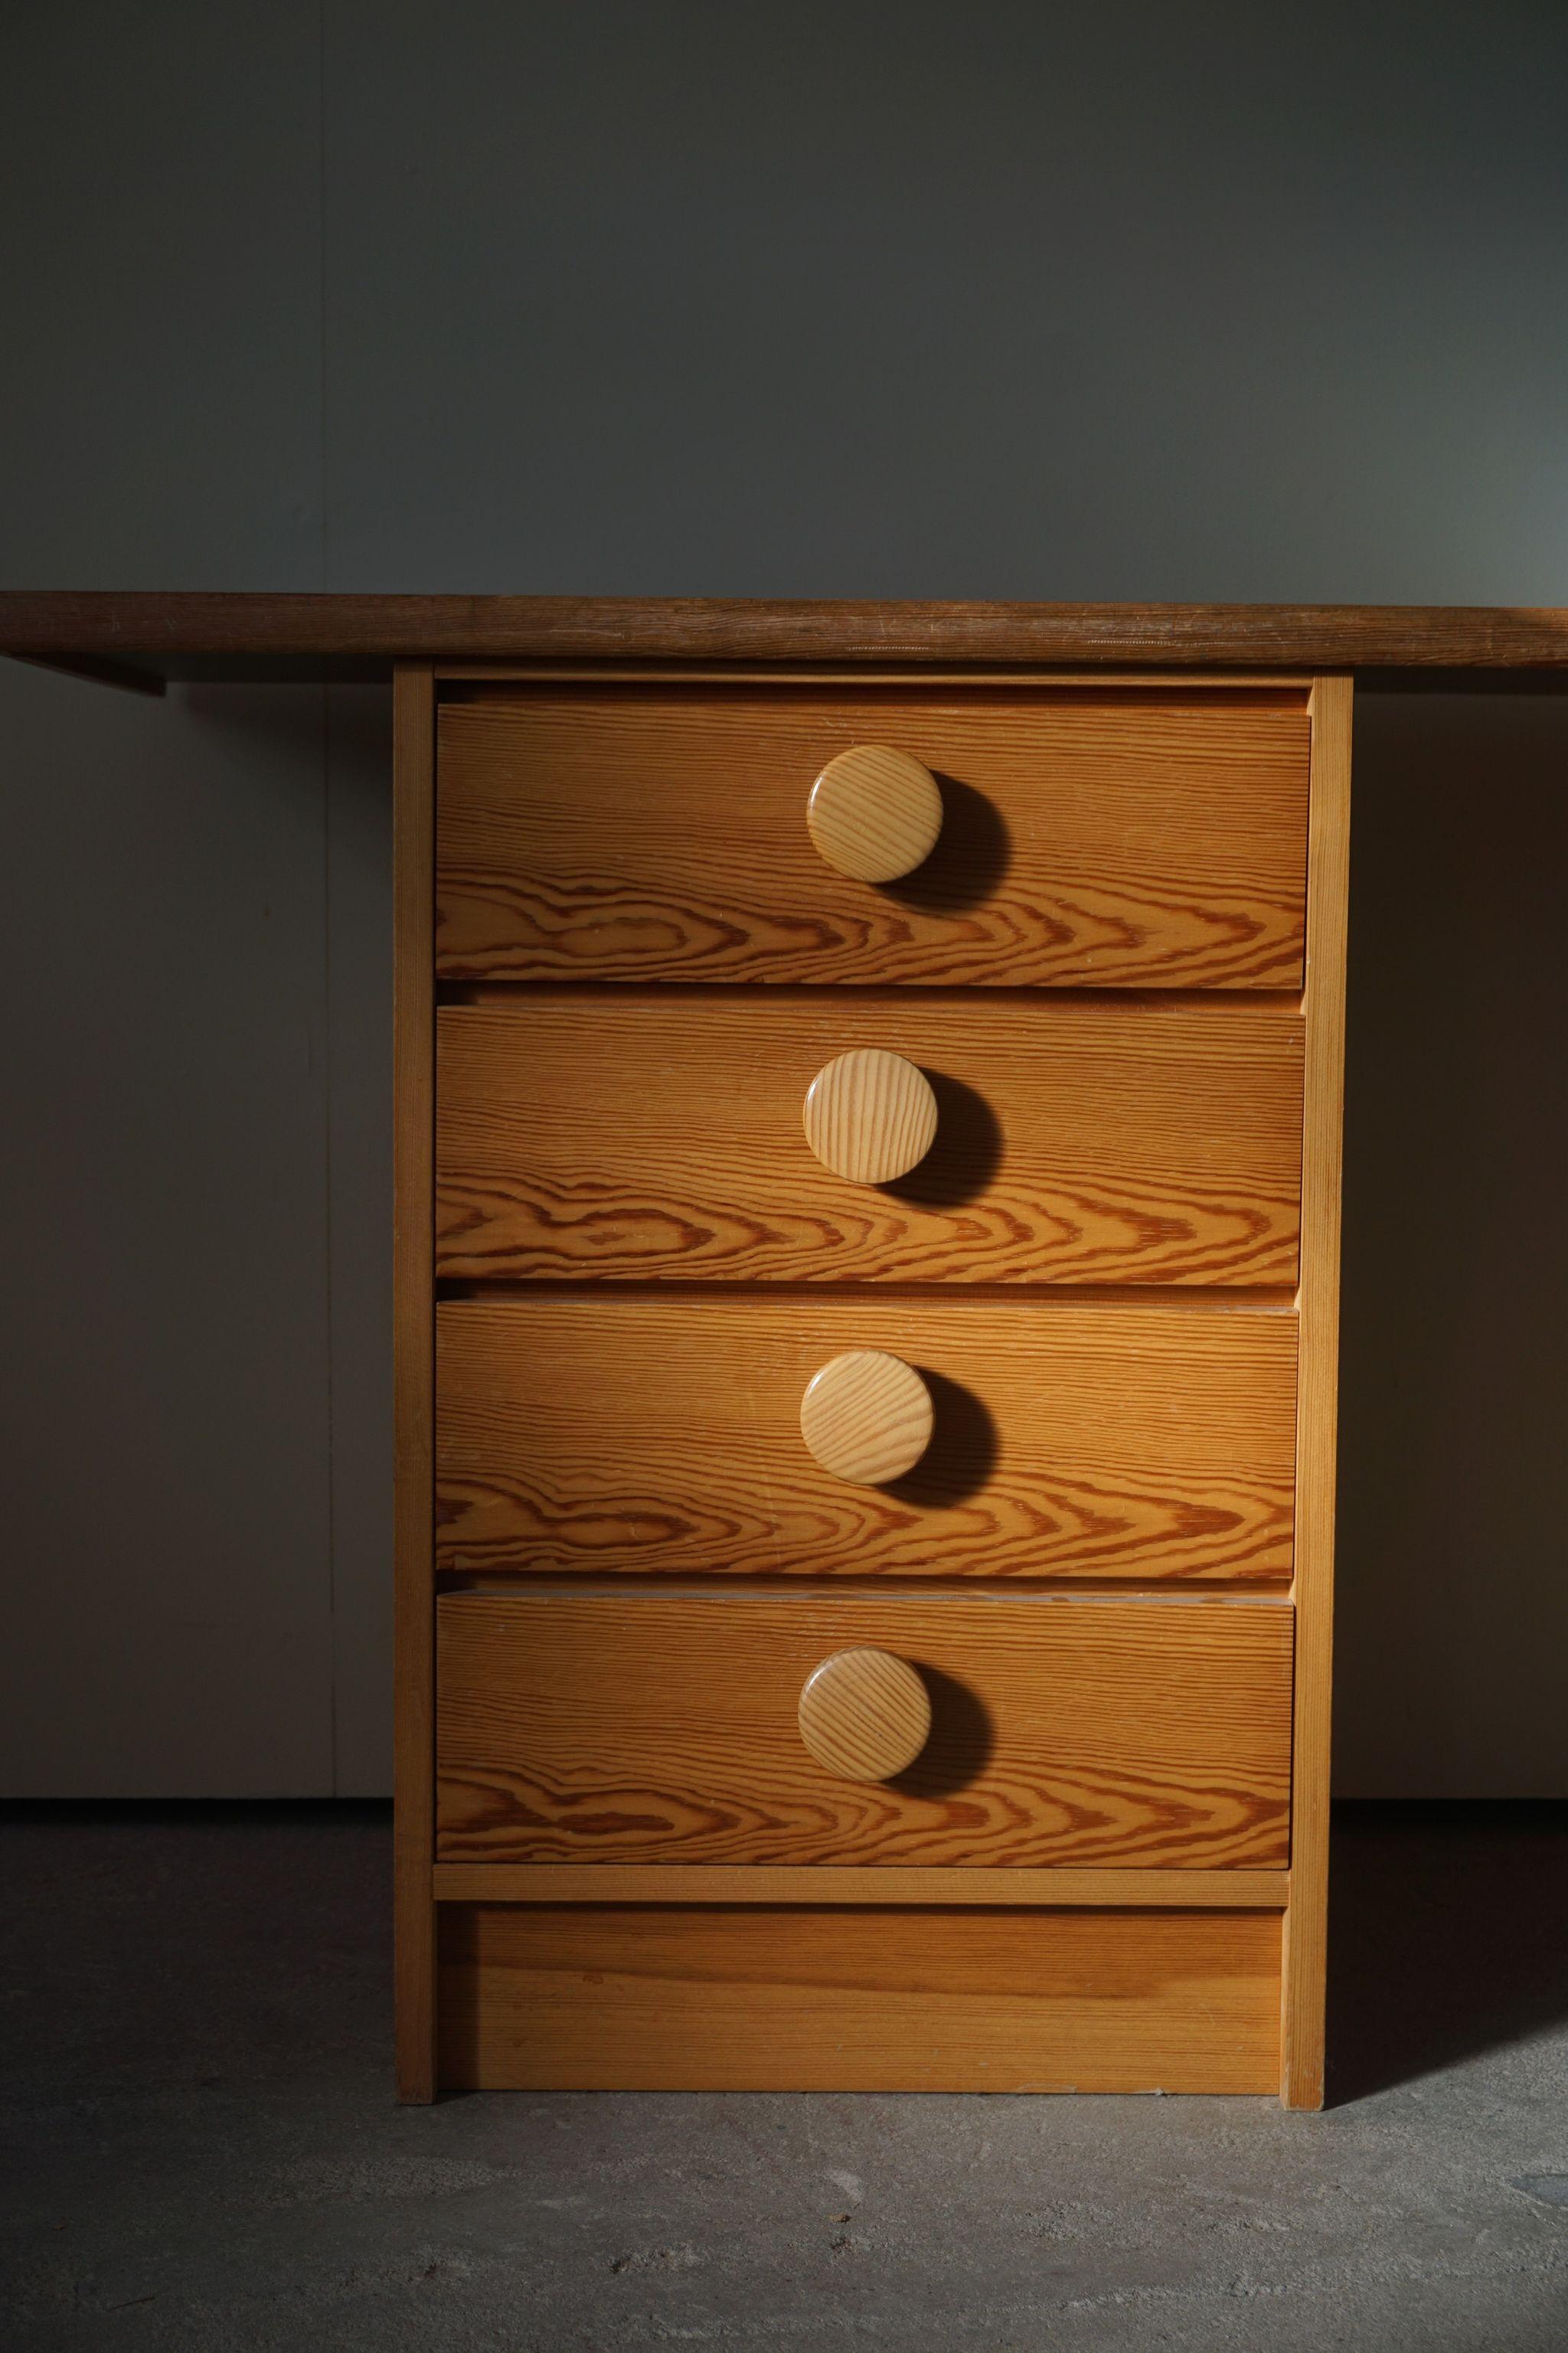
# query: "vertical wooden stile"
1306,1917
414,893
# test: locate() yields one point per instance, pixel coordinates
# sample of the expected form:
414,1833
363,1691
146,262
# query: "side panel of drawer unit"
613,1433
630,1726
1142,839
586,1998
648,1133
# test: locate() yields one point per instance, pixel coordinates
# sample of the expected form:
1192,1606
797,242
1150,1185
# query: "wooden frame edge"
940,1884
852,673
414,1821
1304,1970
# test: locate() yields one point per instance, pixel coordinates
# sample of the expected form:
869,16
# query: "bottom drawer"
653,1998
583,1725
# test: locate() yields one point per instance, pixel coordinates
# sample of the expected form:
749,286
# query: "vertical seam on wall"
330,1172
326,567
330,1137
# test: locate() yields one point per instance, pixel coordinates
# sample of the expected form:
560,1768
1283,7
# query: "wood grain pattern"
413,1389
635,1727
586,1999
610,1432
874,813
864,1714
660,834
697,1883
871,1116
1306,1926
216,635
612,1132
866,1416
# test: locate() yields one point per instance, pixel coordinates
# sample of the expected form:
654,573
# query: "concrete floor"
201,2148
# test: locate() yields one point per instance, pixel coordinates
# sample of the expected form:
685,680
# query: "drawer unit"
867,1223
620,1728
1133,839
639,1135
611,1433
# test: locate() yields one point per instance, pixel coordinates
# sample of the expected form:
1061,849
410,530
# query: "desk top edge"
150,637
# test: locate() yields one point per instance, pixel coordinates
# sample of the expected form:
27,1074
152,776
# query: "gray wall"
882,301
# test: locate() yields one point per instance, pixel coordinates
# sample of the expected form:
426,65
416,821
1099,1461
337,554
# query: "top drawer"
1088,837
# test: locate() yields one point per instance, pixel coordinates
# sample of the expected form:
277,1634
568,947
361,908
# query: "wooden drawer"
616,1433
619,1727
1145,838
586,1998
631,1134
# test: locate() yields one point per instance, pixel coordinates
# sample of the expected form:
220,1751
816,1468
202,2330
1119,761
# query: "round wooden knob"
874,813
871,1115
865,1714
866,1416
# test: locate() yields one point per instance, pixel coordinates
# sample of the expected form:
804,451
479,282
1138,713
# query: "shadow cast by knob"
962,1454
966,1155
958,1747
972,855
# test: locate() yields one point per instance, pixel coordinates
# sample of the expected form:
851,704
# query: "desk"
464,646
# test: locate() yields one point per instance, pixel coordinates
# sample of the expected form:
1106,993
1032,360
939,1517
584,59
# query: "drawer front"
580,1998
613,1434
1140,839
633,1727
1077,1141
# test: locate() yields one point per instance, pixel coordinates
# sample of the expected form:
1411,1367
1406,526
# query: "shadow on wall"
1452,1617
1447,1937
